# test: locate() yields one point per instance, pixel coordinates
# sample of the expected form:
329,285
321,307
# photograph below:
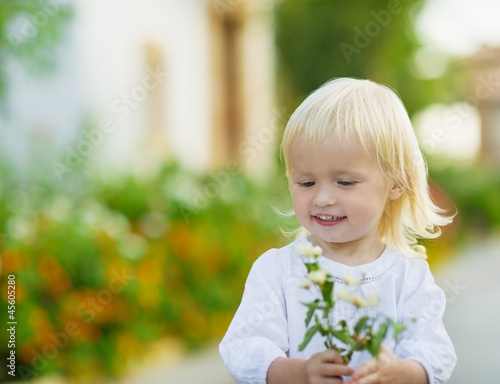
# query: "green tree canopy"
317,40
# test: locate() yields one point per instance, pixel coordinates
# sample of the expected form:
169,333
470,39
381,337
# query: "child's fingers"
335,370
327,365
370,379
384,351
336,365
373,365
332,356
368,368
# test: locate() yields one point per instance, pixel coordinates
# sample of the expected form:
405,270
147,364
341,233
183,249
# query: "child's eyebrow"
349,173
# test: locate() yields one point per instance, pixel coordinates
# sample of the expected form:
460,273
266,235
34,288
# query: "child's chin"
327,239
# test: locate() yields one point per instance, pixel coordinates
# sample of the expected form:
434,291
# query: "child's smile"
328,220
339,195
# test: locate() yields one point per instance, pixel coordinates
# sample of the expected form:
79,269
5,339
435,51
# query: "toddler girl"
359,189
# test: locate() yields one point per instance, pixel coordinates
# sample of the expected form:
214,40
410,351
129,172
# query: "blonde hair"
345,108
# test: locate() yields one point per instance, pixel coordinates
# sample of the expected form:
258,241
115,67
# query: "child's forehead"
304,143
342,155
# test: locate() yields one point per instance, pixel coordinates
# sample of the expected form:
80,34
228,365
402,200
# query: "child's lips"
328,220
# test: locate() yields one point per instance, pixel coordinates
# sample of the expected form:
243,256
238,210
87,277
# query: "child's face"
339,193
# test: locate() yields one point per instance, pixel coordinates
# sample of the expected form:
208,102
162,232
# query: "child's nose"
324,197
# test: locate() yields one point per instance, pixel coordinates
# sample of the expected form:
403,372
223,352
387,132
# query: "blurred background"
140,170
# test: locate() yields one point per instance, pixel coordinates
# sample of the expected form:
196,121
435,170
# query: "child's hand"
326,367
389,369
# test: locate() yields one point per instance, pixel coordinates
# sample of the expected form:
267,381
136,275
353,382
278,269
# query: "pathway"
472,286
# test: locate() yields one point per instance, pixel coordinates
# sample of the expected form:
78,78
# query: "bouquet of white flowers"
368,332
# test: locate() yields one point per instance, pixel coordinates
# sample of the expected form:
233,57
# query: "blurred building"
484,94
154,80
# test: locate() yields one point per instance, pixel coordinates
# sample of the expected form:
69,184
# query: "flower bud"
358,301
317,251
342,294
308,250
372,299
317,277
351,280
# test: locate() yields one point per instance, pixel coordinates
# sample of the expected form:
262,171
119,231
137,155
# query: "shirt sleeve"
426,340
258,333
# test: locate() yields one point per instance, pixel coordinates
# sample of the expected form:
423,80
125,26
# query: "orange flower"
78,311
150,272
180,238
12,260
55,276
24,352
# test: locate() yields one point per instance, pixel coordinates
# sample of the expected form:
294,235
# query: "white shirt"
270,321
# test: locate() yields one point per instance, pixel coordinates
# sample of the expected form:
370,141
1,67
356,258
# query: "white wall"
112,37
103,83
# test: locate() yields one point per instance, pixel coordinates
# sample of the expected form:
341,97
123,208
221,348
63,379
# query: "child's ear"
396,191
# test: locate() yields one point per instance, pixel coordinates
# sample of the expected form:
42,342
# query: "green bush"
475,191
105,269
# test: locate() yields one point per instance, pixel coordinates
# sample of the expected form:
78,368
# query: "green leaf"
308,336
322,329
398,328
327,292
343,325
312,267
347,357
312,308
309,315
326,312
360,325
382,331
343,335
376,341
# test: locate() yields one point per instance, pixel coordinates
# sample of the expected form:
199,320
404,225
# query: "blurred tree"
29,32
317,40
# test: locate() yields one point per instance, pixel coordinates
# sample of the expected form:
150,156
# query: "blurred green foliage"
103,272
317,40
29,33
475,192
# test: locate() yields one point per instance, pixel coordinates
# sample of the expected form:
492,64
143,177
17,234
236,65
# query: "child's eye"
308,184
345,183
